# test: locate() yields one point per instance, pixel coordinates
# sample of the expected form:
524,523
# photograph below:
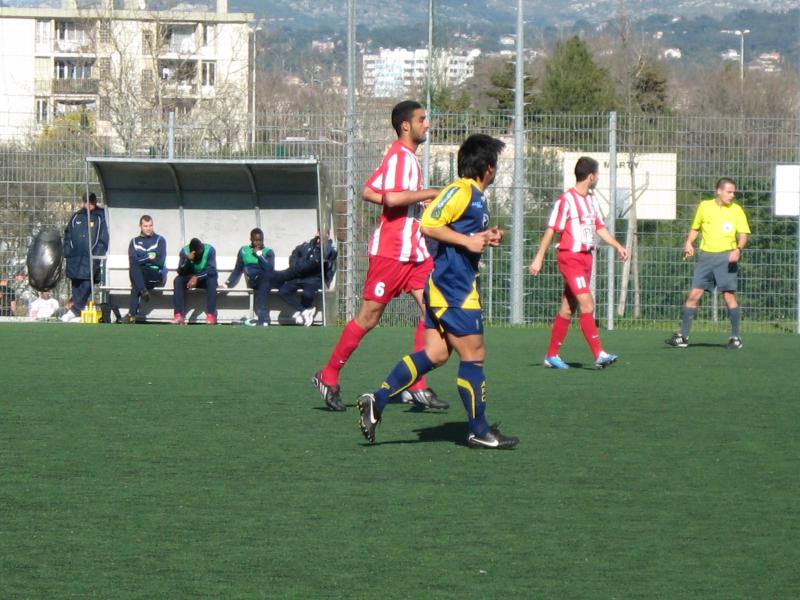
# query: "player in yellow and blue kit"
458,219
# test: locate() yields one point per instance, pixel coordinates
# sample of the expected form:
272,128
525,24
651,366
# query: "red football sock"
589,329
348,342
558,334
419,344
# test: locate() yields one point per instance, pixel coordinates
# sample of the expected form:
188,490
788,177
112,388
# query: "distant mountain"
473,13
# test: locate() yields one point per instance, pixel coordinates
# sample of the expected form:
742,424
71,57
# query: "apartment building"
393,72
122,66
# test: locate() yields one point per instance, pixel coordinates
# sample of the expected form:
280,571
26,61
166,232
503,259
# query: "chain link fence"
42,176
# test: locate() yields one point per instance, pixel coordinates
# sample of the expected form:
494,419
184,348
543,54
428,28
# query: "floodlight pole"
426,149
350,285
517,222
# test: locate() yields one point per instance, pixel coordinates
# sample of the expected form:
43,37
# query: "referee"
724,229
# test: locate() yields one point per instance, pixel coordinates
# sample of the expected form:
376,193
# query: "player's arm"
688,246
609,239
448,207
445,234
536,264
370,195
407,197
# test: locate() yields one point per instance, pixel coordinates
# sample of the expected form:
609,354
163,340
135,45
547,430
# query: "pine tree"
573,83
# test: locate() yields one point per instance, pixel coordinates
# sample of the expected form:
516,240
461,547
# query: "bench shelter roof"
218,201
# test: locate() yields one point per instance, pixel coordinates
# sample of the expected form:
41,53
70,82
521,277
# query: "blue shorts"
458,321
714,271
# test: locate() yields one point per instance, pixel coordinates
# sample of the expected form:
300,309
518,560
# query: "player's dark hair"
256,230
92,198
195,245
724,181
477,153
144,218
402,112
584,167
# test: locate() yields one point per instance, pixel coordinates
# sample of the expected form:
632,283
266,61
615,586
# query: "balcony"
74,47
175,89
76,86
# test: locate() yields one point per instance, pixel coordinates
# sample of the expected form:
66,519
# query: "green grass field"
197,462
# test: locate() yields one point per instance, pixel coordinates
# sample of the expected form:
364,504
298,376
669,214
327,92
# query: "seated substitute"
8,299
458,218
257,262
197,268
305,271
44,307
147,256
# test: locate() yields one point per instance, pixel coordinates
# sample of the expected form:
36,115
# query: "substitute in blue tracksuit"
305,271
147,255
257,262
87,231
197,268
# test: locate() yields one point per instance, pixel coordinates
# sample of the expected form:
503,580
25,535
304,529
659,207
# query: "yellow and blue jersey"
454,282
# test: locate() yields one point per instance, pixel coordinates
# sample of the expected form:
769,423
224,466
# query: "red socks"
419,344
589,329
348,342
558,334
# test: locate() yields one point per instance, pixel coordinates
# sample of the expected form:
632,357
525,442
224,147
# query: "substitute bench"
218,201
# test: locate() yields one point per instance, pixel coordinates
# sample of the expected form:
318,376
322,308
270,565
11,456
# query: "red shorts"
387,278
576,268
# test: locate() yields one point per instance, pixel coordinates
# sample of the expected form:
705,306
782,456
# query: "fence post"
171,135
517,225
612,213
350,284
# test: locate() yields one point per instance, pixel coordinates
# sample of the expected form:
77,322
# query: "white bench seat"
117,287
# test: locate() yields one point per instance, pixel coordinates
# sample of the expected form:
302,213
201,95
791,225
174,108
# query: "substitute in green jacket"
257,262
197,268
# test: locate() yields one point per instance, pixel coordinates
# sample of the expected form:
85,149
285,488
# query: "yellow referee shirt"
719,225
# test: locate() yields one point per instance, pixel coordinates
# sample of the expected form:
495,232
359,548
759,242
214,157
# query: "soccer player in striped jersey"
398,258
458,219
576,217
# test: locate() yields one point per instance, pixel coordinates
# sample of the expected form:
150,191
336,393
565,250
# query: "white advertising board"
786,191
655,180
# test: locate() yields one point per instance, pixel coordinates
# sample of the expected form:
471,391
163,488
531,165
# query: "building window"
178,70
179,39
147,43
148,87
42,110
72,69
208,34
70,31
209,74
43,33
104,68
104,28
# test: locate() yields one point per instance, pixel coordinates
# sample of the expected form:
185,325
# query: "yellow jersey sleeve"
742,225
697,222
448,206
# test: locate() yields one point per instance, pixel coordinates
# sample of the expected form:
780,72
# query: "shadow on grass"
455,433
698,345
571,365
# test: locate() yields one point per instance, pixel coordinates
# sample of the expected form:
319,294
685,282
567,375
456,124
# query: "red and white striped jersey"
397,235
577,218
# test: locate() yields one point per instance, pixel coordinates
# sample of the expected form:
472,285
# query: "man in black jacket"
86,234
305,271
